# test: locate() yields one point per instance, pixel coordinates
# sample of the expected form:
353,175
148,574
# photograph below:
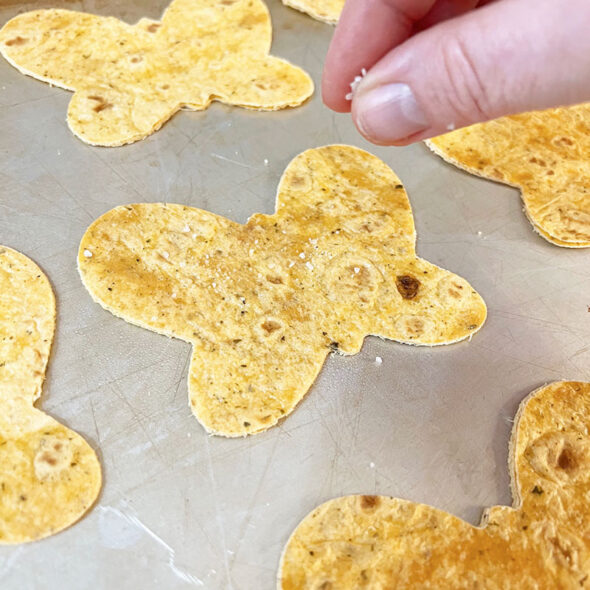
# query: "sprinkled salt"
251,251
309,265
186,229
291,264
354,84
302,255
451,126
88,253
356,270
266,161
378,360
214,285
372,465
173,295
166,255
194,236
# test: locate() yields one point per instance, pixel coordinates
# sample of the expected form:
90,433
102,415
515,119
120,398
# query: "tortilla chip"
264,303
324,10
545,154
542,542
130,79
50,476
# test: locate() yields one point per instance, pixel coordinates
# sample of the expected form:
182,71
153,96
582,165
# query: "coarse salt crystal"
309,265
266,161
378,360
186,229
372,465
451,126
88,253
356,270
291,264
302,255
166,255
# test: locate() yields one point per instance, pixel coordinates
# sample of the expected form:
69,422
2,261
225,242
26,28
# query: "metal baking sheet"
180,509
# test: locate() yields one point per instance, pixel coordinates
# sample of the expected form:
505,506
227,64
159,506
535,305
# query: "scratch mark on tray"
95,423
6,564
134,520
220,157
252,504
218,513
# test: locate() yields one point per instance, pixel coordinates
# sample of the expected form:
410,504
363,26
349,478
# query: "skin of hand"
434,65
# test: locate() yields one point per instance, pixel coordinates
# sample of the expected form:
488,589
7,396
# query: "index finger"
366,31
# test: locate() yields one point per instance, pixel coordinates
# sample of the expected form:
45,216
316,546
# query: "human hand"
434,65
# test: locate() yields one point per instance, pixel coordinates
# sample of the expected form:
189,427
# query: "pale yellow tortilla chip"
264,303
49,475
130,79
545,154
543,542
324,10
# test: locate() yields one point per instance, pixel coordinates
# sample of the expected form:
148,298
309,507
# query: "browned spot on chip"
153,27
270,326
567,460
102,103
370,502
16,41
407,286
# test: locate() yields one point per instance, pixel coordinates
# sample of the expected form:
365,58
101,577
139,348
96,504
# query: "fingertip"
334,98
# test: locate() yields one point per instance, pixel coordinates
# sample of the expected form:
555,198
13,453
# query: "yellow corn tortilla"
327,11
543,541
264,303
545,155
50,476
128,80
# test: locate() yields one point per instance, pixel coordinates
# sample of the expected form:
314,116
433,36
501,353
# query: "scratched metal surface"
180,509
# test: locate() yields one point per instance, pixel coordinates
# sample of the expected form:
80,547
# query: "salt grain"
88,253
378,360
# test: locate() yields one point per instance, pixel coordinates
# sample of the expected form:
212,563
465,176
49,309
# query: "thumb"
509,56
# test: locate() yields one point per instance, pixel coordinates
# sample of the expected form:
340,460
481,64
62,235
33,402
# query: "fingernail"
389,113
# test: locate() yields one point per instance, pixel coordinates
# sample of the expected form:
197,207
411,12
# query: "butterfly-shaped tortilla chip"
542,542
130,79
545,154
49,475
264,303
324,10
